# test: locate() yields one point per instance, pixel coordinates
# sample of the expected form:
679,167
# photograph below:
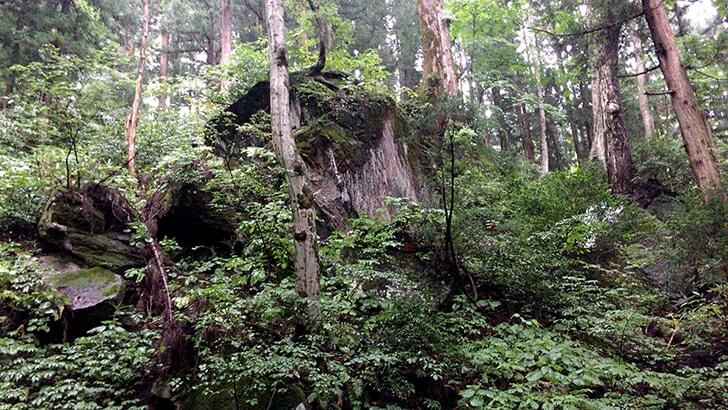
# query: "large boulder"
91,296
86,289
351,141
91,224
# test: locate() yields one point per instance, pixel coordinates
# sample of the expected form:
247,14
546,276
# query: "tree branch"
669,92
588,31
640,73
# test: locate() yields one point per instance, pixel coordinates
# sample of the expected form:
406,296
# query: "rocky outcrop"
351,142
91,224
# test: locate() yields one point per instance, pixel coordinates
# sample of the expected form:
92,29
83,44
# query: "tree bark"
541,111
648,122
525,128
696,133
164,69
502,131
598,150
133,117
301,196
226,36
438,67
610,114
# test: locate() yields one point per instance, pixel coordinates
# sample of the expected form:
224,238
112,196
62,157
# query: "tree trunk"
648,122
587,122
437,64
556,159
226,36
577,143
502,132
301,196
66,6
696,134
133,117
164,69
525,128
598,150
542,123
610,114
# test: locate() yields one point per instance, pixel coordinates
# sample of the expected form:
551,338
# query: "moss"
89,286
84,277
103,250
313,95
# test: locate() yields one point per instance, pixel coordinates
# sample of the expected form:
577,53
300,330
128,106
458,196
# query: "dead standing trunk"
438,67
301,196
696,133
598,150
133,118
648,122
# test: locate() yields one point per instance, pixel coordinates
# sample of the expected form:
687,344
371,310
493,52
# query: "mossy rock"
87,288
91,224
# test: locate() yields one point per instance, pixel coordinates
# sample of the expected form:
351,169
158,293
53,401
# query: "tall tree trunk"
679,19
502,131
542,123
164,69
587,122
438,67
610,114
133,117
648,122
541,111
525,128
556,159
301,196
66,6
696,134
598,150
577,143
226,36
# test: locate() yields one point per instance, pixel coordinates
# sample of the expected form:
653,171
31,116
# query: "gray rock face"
89,288
351,142
384,171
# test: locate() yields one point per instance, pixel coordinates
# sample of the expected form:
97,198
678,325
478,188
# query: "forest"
363,204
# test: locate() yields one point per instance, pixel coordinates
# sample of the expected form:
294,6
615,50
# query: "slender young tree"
648,121
696,134
301,196
164,68
438,67
133,117
541,111
226,35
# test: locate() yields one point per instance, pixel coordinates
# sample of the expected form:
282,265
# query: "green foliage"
96,371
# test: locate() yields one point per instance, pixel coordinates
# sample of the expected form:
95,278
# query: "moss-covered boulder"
89,288
91,296
91,224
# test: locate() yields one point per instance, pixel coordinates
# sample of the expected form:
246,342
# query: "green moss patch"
89,287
